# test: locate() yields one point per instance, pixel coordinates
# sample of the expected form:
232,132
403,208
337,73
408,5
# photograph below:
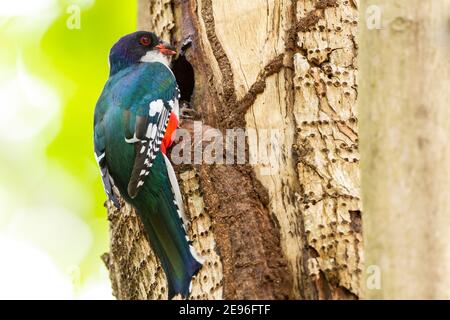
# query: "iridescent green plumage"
122,117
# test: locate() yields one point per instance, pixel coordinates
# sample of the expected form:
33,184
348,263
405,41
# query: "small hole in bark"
184,73
355,217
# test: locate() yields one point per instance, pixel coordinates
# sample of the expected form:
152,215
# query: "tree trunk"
287,227
404,102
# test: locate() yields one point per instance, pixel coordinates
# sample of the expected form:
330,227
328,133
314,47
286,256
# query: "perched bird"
135,120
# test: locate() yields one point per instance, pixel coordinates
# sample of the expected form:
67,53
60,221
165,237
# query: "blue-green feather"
127,94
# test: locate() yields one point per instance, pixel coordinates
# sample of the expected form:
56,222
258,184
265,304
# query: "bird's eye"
145,41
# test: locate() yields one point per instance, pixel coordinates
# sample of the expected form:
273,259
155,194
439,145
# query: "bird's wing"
99,149
147,117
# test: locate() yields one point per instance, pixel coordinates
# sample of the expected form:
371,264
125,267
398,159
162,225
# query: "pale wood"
404,112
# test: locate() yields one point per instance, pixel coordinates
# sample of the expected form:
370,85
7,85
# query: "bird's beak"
166,49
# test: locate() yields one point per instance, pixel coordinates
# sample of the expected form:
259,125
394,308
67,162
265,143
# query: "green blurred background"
53,64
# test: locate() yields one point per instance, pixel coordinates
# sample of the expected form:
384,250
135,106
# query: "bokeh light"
53,64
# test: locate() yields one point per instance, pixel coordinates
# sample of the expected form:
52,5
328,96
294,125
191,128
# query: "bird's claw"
187,112
187,43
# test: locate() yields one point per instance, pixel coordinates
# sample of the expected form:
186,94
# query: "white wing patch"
176,191
155,134
134,139
174,104
108,182
178,202
159,116
155,107
151,131
100,157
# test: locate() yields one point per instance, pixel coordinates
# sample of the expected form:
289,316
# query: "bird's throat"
156,56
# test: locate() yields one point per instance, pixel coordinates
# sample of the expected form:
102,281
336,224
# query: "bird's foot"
187,112
187,43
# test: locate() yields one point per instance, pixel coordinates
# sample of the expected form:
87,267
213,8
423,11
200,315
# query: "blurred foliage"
51,76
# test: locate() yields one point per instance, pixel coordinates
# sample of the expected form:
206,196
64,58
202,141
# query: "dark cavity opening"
184,74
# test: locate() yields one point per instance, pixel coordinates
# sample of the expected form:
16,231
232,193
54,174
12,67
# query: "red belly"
169,136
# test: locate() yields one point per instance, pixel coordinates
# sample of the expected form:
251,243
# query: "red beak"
165,49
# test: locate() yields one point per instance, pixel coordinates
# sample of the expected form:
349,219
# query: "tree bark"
405,128
288,227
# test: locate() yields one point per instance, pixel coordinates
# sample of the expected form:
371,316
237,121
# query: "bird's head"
137,47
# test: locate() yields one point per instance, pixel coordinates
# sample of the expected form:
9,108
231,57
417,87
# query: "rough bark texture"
404,103
289,227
